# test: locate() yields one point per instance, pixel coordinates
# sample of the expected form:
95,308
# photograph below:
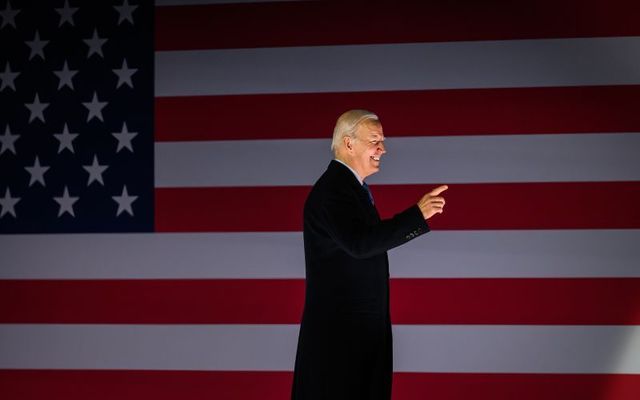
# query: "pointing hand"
432,203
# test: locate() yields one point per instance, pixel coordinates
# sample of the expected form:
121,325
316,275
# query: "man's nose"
381,148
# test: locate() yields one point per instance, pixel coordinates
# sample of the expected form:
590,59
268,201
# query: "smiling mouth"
374,158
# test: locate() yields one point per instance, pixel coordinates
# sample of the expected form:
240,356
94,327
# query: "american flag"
155,159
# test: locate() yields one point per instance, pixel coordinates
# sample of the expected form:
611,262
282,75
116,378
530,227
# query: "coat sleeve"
342,220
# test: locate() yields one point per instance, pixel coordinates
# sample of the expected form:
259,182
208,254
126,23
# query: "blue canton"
76,116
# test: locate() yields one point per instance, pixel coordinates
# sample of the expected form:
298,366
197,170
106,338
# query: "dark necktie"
366,187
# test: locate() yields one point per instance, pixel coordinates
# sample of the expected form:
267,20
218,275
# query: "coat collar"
343,172
352,171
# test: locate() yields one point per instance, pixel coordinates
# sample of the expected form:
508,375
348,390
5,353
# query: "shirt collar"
351,169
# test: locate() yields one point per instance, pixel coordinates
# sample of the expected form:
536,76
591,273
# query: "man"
344,348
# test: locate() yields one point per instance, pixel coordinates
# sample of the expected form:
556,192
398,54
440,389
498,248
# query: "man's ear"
347,142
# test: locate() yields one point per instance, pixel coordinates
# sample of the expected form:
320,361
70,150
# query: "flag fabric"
155,159
77,122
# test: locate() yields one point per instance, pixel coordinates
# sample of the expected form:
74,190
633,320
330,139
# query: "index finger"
438,190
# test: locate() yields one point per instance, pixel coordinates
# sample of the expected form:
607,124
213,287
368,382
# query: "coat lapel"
370,211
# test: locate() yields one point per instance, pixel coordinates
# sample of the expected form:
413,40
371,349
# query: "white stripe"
155,347
439,254
409,160
409,66
456,348
517,349
519,254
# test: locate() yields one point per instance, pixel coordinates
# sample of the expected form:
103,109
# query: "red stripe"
230,209
556,205
539,301
246,385
151,301
338,23
419,386
138,385
403,113
536,301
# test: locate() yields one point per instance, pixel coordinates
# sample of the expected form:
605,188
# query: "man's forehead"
372,129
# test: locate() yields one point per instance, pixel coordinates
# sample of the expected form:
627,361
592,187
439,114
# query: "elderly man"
344,348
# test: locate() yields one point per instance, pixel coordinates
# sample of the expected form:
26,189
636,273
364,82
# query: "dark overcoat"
344,347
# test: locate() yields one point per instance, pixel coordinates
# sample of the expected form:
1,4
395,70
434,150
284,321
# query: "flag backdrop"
155,160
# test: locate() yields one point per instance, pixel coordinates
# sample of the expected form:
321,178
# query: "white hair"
347,125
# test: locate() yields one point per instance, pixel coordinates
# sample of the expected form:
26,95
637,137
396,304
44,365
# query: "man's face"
367,149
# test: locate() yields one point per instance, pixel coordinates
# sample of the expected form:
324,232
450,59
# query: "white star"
7,203
66,13
124,138
8,16
95,171
124,202
37,172
37,109
65,75
8,141
125,11
66,139
124,74
37,46
95,44
8,78
95,107
66,203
